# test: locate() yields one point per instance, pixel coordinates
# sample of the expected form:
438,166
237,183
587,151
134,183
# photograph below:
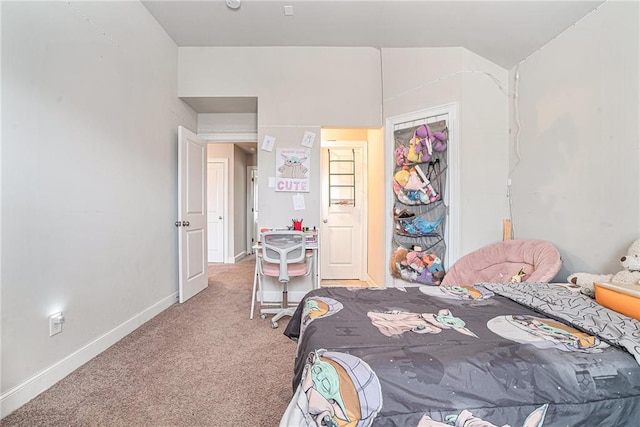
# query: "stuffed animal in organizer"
423,143
434,265
438,140
416,266
629,275
419,226
410,197
411,180
415,262
415,152
398,268
408,178
401,155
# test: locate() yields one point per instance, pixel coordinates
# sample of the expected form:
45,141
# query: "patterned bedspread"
528,354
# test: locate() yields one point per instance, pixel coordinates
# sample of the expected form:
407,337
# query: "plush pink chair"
499,262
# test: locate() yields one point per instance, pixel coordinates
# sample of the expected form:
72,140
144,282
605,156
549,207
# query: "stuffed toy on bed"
629,275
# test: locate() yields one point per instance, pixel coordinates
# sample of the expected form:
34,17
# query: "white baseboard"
24,392
239,256
234,259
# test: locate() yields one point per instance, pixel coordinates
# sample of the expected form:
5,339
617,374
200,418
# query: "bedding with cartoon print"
462,356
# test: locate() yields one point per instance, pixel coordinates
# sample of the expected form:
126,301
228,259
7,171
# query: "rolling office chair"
282,256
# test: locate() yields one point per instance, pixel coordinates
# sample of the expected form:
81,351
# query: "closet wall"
478,138
421,202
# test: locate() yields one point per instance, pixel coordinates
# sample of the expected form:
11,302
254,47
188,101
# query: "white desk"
313,250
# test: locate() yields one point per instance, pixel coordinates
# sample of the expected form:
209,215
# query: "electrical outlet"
55,324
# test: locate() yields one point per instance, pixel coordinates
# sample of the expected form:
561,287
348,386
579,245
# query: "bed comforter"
527,354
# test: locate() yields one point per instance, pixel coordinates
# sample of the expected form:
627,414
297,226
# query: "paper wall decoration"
267,143
308,138
292,169
298,202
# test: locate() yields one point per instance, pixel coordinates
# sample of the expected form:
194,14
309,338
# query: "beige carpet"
201,363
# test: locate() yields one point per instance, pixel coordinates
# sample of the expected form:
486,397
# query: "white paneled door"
343,244
192,213
216,210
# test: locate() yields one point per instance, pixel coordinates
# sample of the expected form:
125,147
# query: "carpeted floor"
201,363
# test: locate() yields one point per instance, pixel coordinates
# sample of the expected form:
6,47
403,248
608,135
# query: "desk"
313,250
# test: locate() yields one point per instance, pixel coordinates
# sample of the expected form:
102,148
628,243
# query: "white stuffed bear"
630,274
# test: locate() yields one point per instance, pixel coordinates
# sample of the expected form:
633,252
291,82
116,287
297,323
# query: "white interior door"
216,209
192,221
343,248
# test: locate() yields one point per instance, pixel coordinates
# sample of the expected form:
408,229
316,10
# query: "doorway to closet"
344,210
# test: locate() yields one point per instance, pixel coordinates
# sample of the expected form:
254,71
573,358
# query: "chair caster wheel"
274,325
263,316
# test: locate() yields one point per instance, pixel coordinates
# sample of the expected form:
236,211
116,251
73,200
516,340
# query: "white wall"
484,153
89,187
576,181
377,248
217,125
302,89
239,202
416,79
298,90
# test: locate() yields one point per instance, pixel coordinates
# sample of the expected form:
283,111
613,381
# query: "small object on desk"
297,224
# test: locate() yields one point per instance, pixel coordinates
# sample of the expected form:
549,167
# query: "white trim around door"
452,236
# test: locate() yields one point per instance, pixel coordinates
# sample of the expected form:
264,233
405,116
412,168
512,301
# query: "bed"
517,354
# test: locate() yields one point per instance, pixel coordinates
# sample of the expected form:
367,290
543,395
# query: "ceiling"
503,31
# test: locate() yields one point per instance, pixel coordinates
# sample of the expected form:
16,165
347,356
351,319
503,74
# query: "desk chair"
281,256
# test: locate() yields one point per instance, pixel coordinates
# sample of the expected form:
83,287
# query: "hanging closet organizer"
420,211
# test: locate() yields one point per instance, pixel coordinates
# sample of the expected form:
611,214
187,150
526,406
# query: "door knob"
325,220
219,217
178,223
185,223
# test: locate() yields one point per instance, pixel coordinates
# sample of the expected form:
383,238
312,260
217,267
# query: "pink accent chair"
498,262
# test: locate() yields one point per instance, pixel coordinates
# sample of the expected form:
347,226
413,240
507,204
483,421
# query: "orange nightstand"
623,298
